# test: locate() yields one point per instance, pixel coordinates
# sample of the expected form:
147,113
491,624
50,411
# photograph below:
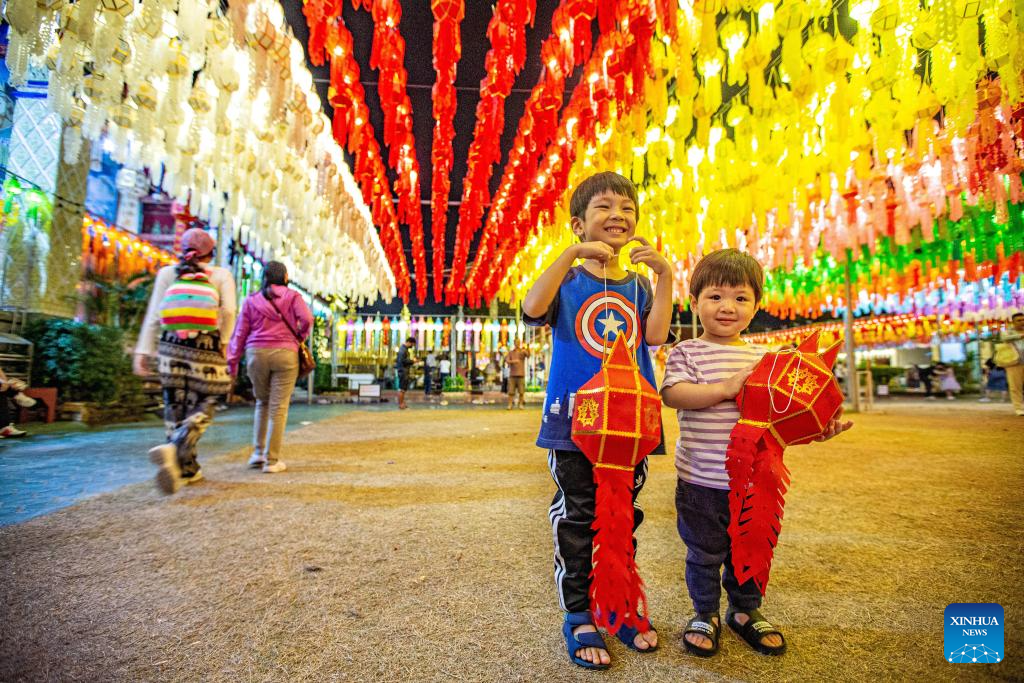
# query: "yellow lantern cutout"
790,17
709,65
199,99
260,31
967,9
177,65
121,7
733,34
926,32
886,18
92,85
122,53
145,96
125,114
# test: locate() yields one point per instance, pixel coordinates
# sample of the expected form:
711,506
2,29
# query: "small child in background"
702,378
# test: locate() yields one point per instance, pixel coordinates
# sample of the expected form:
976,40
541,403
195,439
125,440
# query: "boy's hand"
732,386
835,427
599,251
649,256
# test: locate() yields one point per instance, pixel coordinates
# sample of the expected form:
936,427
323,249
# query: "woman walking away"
192,311
274,321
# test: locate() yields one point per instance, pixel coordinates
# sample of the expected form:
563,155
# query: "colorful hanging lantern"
789,399
616,422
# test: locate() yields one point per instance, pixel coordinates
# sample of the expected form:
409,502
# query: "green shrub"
454,383
85,362
883,374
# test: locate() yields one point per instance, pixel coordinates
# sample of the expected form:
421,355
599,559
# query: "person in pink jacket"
265,335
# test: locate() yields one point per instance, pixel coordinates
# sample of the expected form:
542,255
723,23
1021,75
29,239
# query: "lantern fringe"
616,589
758,480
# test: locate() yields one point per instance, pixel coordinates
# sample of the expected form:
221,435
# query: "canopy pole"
852,385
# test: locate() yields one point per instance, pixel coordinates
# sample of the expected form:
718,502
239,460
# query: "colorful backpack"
190,305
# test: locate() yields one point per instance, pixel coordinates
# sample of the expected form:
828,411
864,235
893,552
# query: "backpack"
190,304
1006,355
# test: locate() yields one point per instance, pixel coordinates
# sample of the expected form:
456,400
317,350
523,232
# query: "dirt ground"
415,546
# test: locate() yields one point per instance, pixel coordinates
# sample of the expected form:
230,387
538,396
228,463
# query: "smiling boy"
584,304
702,378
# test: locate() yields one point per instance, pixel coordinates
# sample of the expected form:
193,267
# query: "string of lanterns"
889,330
224,105
568,45
446,49
388,57
972,263
377,334
504,61
352,129
844,144
111,251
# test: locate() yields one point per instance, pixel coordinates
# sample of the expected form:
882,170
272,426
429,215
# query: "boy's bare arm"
540,296
660,318
689,396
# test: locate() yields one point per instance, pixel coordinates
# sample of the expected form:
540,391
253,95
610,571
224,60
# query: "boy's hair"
730,267
1016,315
607,181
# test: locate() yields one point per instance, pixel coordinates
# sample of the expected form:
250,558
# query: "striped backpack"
190,305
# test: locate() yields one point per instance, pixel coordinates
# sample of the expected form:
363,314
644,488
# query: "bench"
45,397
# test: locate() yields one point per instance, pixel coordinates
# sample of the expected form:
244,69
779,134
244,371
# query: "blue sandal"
628,634
574,642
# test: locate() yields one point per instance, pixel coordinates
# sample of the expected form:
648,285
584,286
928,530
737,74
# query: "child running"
702,378
583,304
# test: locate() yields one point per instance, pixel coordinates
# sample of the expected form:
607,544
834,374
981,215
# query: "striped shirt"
704,434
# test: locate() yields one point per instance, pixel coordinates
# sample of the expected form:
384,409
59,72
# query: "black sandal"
702,624
756,628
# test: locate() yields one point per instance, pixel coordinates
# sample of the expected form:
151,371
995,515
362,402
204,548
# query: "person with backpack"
273,325
191,313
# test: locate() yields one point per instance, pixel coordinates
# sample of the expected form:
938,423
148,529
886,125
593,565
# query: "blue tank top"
579,316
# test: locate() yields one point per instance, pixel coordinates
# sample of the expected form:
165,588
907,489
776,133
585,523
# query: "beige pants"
516,385
1015,378
273,373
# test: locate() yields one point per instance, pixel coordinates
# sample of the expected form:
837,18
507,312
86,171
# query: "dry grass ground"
415,546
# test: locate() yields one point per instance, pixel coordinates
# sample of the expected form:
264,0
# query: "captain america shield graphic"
605,313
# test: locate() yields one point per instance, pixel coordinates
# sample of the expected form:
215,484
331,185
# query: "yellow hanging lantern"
121,7
145,96
886,18
125,114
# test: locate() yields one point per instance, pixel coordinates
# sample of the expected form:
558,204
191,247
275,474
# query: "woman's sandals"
756,628
706,624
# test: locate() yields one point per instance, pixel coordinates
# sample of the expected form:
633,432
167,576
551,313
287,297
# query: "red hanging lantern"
789,399
616,422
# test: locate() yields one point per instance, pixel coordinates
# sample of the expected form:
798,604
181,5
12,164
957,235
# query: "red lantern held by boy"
790,398
616,422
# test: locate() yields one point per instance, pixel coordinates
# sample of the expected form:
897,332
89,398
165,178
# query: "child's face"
725,310
609,218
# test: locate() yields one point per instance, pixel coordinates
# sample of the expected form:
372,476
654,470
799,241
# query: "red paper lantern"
788,399
616,422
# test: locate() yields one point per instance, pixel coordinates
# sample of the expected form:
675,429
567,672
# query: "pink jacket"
259,326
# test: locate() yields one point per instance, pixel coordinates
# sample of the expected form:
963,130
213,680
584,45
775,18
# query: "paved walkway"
64,463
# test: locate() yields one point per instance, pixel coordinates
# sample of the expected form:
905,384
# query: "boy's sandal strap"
756,628
703,624
627,635
575,642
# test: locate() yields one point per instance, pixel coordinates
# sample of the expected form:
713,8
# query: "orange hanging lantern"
616,422
789,399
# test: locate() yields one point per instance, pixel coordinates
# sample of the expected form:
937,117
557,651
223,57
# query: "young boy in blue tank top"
584,304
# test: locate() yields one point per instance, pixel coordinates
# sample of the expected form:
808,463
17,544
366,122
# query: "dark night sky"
417,29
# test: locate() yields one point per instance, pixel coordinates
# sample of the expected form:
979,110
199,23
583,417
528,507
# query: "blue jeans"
702,516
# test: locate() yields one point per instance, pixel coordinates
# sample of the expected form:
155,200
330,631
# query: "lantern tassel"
758,481
616,589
